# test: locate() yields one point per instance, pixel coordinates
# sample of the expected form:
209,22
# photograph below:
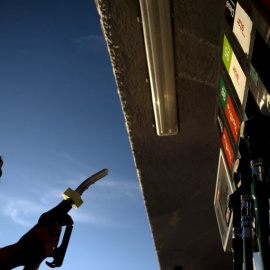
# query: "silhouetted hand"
31,249
39,243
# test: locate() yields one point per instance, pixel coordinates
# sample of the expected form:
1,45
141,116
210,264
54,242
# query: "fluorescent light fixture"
157,31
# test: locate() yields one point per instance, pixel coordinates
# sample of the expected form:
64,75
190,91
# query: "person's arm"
10,257
36,245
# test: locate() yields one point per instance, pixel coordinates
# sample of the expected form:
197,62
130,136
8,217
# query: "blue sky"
61,121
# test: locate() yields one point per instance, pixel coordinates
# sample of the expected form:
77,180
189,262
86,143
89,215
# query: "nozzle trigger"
60,251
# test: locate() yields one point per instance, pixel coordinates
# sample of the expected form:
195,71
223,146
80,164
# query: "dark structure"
178,173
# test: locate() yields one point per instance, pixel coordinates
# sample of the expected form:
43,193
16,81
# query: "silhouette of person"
36,245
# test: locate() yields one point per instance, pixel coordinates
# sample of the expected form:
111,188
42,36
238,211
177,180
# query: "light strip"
157,30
